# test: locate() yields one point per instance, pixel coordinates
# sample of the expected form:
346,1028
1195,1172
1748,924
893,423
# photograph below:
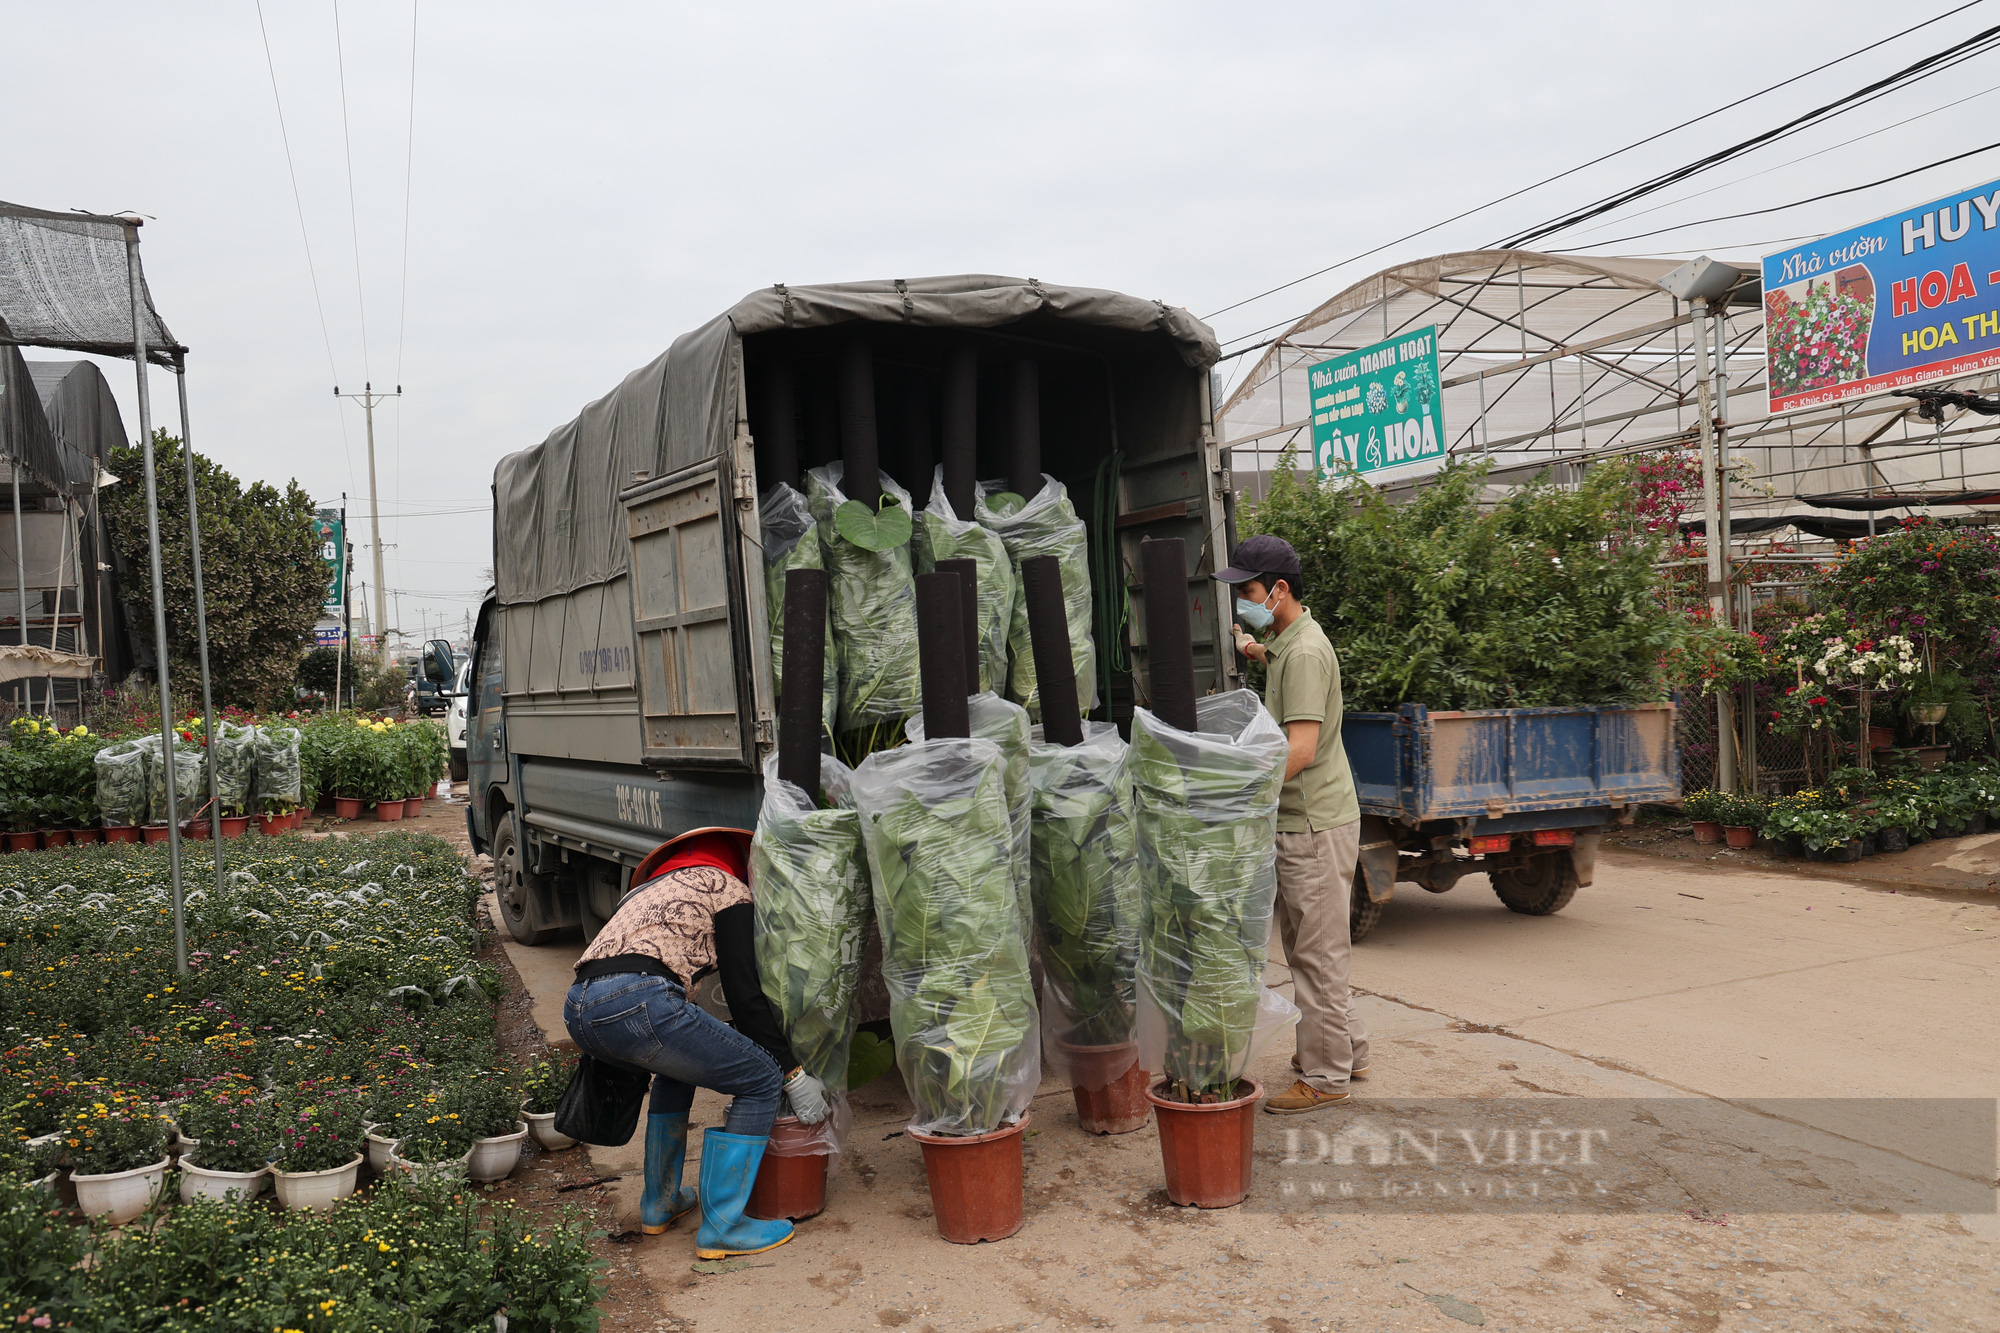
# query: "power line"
1707,115
1977,44
312,270
353,217
1796,203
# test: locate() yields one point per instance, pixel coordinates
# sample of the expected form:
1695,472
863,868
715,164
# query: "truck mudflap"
1378,858
1583,855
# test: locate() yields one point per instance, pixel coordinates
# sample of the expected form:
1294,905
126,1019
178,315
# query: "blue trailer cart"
1522,794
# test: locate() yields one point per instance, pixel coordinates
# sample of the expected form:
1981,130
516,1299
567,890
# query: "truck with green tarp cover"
622,683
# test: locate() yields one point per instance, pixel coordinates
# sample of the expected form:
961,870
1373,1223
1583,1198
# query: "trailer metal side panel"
1416,765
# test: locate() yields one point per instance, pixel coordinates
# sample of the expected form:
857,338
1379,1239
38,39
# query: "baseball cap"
1256,557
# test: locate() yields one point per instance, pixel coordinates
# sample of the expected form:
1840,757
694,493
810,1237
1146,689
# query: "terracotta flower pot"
298,817
412,807
975,1183
235,826
196,829
55,837
1206,1149
1881,738
348,807
1739,835
791,1181
121,833
87,835
388,811
156,832
272,825
1109,1086
1707,830
21,842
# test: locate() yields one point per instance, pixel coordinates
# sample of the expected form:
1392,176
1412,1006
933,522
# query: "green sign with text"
1378,407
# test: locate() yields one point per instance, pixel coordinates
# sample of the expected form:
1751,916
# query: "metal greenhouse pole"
201,625
159,595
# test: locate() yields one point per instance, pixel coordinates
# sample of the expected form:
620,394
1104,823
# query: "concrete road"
1741,1006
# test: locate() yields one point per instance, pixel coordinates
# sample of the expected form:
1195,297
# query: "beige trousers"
1315,876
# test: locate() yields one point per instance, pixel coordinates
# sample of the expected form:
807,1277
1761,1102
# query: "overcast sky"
588,181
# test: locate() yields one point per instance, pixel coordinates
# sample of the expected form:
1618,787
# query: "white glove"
807,1096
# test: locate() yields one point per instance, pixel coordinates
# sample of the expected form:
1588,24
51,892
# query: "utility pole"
368,398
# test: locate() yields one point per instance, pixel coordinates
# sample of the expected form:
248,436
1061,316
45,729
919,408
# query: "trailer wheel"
1540,888
521,892
1362,911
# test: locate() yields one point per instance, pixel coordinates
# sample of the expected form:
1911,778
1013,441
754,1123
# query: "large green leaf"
874,529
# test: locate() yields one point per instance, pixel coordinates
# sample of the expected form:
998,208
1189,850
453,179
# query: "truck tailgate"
1416,765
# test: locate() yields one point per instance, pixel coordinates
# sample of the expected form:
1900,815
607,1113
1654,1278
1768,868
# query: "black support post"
961,430
1024,454
1169,636
777,424
1048,629
800,700
941,655
862,477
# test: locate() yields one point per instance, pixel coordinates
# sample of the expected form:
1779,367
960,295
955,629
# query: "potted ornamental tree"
942,859
1205,778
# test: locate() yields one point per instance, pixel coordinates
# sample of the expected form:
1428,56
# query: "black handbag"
601,1103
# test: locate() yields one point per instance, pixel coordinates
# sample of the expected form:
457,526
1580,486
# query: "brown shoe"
1302,1097
1298,1068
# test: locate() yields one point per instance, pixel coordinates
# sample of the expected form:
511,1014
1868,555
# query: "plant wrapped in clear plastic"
280,780
189,771
234,755
787,529
935,821
1007,726
943,535
1085,886
1205,820
871,598
809,877
124,784
1043,524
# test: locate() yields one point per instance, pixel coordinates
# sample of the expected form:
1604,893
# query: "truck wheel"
1542,887
1362,911
521,893
457,766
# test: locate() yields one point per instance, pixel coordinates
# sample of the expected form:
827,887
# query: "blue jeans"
644,1022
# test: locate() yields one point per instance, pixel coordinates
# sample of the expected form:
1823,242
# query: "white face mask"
1256,615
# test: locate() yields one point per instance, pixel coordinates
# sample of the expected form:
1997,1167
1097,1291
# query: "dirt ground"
1767,1012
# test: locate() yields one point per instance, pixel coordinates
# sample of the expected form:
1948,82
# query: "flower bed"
329,983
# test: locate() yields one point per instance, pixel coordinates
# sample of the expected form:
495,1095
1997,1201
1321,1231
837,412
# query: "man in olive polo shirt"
1319,820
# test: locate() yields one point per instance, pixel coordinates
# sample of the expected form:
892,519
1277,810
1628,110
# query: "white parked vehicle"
454,725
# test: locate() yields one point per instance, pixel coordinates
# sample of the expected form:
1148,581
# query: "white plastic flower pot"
495,1158
451,1168
120,1195
198,1182
316,1189
543,1126
49,1183
379,1151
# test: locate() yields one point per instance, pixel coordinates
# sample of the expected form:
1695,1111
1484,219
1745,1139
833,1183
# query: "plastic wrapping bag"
123,784
1045,525
786,529
190,778
1006,725
280,771
943,535
234,755
935,821
809,879
1205,822
1085,884
872,608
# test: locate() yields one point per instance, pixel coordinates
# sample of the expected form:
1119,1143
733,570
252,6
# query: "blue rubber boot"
728,1169
664,1201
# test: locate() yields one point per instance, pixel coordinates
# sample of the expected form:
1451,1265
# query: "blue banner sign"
1907,299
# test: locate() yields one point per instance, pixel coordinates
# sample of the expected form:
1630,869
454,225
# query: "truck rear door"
702,656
